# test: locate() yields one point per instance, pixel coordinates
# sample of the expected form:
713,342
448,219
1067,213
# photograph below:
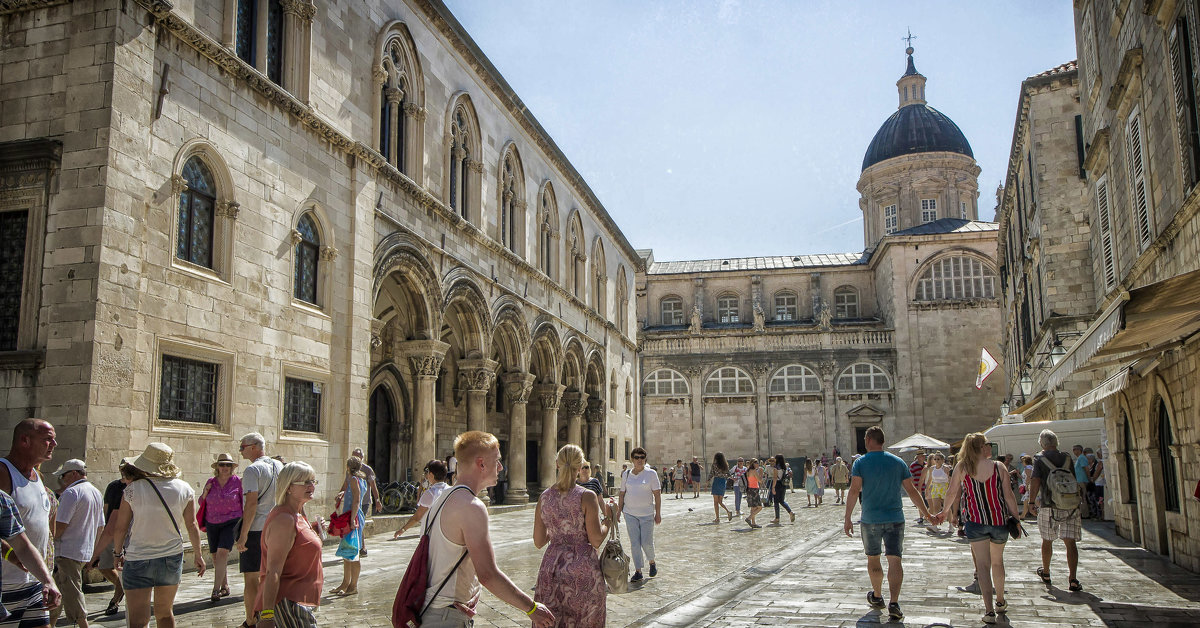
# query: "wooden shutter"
1185,121
1106,236
1137,179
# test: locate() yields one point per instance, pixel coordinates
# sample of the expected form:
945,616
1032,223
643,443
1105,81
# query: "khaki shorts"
68,575
1055,524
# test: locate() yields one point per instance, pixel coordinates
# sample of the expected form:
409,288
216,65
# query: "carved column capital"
475,165
596,410
299,8
550,395
508,194
574,404
424,356
296,237
476,375
394,95
760,370
518,387
379,75
377,330
418,113
229,209
520,204
458,152
328,253
829,367
179,185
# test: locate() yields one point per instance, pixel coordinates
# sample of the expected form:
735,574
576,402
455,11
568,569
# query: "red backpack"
410,597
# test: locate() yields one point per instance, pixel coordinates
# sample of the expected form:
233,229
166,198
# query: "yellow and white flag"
987,364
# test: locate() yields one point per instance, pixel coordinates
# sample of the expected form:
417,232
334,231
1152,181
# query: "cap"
74,464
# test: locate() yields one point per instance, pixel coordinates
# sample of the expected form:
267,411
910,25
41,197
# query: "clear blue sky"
727,128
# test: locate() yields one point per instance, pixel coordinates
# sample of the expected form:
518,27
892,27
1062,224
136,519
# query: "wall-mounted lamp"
1026,384
1004,408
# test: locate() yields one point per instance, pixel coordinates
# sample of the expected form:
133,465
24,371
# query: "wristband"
8,553
266,613
533,610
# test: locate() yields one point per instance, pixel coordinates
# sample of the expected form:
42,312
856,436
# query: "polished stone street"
802,574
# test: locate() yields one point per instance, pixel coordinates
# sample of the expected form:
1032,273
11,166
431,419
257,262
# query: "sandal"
1075,586
1043,574
1002,606
224,591
113,608
215,597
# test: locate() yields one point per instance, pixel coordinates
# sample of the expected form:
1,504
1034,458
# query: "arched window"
622,313
795,378
273,45
665,383
727,309
308,253
628,397
512,203
463,168
1166,458
863,377
729,380
547,230
957,277
197,209
785,306
599,279
577,263
1131,490
845,302
671,310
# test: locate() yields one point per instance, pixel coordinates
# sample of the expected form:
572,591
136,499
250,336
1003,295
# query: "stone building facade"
1045,247
332,223
1139,69
801,354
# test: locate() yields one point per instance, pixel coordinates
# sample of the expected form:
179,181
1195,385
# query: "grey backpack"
1062,485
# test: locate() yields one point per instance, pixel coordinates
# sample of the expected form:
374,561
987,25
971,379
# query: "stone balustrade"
758,342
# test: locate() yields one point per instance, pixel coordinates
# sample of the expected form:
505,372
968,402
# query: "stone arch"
511,203
573,364
398,100
462,180
510,337
405,287
547,231
621,311
989,266
576,256
465,315
225,208
599,276
389,430
200,147
546,352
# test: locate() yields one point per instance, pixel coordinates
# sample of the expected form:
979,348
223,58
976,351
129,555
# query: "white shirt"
81,507
33,504
152,534
260,477
452,466
639,492
431,494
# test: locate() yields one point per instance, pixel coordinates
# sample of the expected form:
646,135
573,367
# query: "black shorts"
251,559
222,535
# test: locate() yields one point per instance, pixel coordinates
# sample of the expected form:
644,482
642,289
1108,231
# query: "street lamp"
1057,352
1026,384
1004,408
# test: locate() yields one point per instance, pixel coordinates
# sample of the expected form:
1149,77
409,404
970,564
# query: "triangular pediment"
865,411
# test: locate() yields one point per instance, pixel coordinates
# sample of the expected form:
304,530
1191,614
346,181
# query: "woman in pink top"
222,503
289,586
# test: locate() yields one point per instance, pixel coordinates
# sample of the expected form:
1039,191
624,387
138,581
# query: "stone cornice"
1097,150
1131,63
19,6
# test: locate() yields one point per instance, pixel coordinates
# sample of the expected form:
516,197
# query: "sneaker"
1002,606
989,617
793,516
972,588
874,601
637,577
653,570
894,612
363,552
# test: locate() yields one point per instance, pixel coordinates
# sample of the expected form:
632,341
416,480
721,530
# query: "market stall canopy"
920,441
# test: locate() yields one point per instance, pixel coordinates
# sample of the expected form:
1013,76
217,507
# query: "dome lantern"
911,86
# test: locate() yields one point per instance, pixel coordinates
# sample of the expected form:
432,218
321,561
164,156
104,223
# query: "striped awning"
1097,335
1115,383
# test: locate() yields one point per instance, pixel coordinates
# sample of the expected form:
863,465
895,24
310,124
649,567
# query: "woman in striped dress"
987,503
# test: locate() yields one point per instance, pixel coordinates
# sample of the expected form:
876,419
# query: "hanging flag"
987,364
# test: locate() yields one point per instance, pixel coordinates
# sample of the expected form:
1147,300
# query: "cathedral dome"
916,128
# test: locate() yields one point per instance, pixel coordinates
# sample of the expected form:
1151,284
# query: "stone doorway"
387,442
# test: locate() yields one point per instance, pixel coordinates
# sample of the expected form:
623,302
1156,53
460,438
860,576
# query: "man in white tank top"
462,526
32,444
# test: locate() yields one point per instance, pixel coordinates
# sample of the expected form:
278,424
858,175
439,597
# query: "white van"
1022,438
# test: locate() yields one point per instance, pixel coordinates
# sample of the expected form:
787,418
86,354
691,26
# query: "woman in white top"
936,480
435,476
156,508
641,501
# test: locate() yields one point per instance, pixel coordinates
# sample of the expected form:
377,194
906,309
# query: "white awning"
1097,335
1110,386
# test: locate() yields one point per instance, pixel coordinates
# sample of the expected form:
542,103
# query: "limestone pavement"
802,574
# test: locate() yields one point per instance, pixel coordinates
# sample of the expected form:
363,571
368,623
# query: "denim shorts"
155,572
889,535
978,532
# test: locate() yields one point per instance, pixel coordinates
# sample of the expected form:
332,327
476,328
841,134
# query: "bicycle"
397,497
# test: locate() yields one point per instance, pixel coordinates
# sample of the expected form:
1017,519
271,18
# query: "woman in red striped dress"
987,503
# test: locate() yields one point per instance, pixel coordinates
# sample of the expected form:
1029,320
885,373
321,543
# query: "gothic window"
247,30
863,377
547,228
727,308
928,210
599,279
1108,258
1166,457
1130,473
13,228
263,38
511,225
889,219
628,397
622,302
845,302
275,41
197,208
729,380
308,252
795,378
1138,181
785,306
671,311
401,101
577,263
188,390
302,405
957,277
463,156
665,383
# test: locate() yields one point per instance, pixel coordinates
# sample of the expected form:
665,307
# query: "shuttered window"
1184,82
1138,185
1106,235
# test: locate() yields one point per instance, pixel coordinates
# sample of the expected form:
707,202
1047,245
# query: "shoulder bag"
165,506
1015,529
614,562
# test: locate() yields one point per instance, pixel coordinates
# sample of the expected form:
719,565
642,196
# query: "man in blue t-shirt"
879,476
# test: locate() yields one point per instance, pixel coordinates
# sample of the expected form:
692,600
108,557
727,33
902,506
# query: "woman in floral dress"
569,518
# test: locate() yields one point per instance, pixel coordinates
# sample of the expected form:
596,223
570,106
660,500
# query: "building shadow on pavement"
1156,567
879,618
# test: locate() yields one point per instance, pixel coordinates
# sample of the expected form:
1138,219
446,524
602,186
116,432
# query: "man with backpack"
1058,514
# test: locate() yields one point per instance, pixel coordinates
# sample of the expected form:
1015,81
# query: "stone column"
550,395
762,409
517,386
573,404
829,373
595,420
476,377
425,360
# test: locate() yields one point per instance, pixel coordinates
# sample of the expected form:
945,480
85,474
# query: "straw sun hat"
156,461
223,459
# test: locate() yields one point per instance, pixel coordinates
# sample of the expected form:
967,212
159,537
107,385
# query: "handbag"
200,513
340,524
614,562
1015,529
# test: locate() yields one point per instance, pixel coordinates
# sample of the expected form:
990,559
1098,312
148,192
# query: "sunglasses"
305,483
639,457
